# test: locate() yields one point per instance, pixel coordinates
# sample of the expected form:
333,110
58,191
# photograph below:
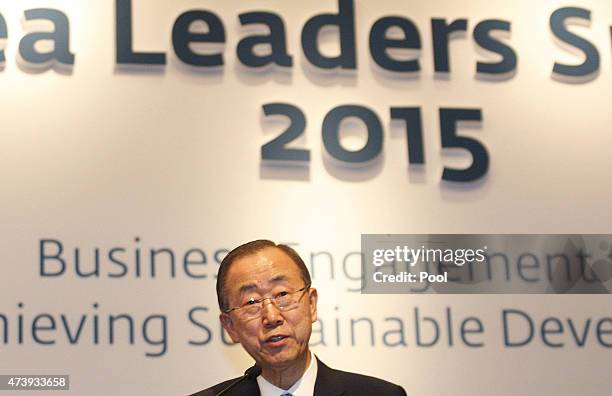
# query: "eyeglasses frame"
258,301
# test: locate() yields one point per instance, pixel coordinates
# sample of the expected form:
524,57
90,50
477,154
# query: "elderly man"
268,306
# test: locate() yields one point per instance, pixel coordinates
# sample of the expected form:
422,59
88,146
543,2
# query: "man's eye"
282,294
251,301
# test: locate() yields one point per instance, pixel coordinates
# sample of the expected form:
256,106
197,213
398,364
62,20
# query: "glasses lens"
286,300
252,310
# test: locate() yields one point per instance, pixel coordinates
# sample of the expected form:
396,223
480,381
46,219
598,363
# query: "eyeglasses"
284,301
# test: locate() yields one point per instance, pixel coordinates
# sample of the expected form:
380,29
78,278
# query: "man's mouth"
276,338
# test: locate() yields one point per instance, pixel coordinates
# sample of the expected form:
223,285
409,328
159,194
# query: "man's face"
276,338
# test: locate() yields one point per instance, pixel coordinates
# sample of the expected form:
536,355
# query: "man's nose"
270,314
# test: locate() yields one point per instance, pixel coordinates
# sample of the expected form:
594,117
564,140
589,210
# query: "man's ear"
228,325
314,297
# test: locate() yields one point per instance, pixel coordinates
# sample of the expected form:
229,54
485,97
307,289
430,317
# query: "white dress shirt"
303,387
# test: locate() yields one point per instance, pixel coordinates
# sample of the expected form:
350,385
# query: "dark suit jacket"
329,382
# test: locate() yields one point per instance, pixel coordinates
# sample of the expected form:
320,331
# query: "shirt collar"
303,387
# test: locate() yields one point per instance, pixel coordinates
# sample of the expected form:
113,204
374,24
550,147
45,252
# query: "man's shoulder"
354,383
213,390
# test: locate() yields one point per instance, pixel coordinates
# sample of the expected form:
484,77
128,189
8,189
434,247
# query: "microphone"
250,374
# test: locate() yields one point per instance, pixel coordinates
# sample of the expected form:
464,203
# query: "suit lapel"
252,389
325,384
247,388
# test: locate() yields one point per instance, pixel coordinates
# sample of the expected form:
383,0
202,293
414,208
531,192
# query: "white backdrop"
97,157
